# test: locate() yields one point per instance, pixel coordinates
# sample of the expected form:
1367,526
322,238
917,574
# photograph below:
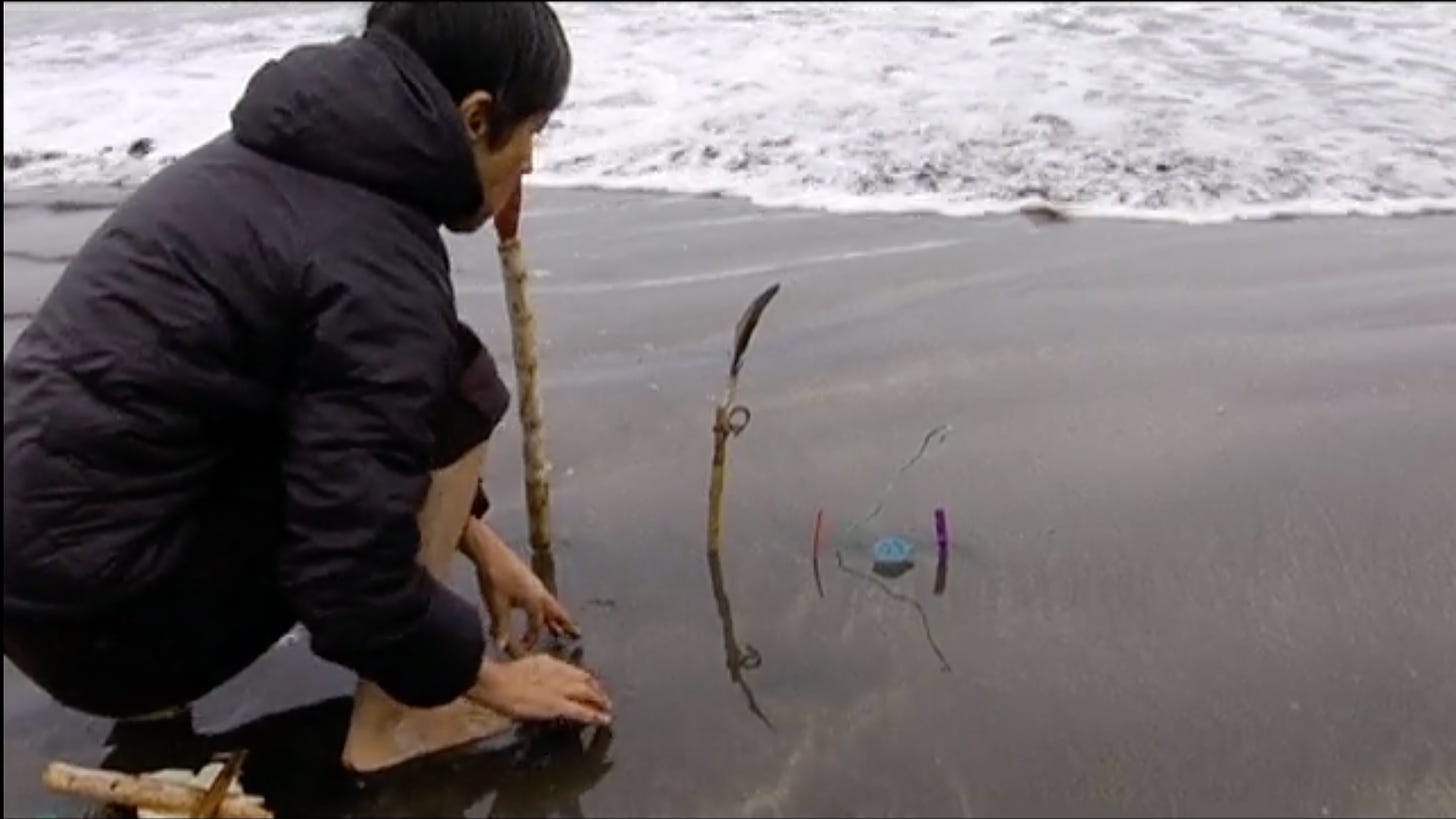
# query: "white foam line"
696,224
549,213
659,200
921,204
590,288
651,200
759,216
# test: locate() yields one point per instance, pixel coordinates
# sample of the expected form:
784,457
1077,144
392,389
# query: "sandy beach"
1201,484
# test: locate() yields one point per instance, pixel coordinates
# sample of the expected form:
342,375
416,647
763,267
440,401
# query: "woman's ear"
475,112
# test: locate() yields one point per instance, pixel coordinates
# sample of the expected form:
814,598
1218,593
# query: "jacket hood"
365,110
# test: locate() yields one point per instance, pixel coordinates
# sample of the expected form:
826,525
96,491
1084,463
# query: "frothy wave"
1194,113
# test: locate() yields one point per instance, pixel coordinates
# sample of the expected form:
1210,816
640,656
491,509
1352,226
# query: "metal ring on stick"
738,418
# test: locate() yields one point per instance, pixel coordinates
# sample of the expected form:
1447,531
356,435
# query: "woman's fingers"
559,620
544,614
541,687
578,695
599,691
578,712
593,699
581,685
592,693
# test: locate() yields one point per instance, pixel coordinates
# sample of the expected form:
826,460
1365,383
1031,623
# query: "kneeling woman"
249,402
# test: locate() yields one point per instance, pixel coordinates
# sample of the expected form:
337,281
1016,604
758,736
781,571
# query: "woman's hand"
541,687
506,584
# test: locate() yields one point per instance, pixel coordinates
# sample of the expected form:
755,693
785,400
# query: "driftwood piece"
211,801
144,792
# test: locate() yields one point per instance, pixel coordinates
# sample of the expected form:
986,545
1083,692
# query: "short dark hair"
516,52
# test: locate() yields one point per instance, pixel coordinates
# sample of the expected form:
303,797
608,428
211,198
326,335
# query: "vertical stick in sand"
942,542
730,419
523,343
818,528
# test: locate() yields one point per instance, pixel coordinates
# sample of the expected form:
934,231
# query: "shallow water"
1201,491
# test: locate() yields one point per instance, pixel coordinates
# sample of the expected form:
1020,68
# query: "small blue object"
892,550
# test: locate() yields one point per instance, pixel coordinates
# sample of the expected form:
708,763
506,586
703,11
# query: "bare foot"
385,734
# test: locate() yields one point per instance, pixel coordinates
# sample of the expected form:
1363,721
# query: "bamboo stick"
523,343
721,431
730,419
144,792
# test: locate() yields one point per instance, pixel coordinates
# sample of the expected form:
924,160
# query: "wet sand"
1202,495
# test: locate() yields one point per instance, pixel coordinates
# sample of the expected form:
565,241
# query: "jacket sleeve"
373,360
473,410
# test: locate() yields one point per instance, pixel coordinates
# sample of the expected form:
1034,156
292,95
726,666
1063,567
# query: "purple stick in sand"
942,542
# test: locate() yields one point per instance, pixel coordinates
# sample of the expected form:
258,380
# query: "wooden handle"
142,792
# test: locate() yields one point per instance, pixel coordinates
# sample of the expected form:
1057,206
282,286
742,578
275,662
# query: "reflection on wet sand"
919,609
544,771
933,439
738,659
553,772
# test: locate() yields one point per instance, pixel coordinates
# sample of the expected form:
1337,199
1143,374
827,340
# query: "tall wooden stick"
523,343
730,419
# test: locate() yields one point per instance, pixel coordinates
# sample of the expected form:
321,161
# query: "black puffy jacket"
259,350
